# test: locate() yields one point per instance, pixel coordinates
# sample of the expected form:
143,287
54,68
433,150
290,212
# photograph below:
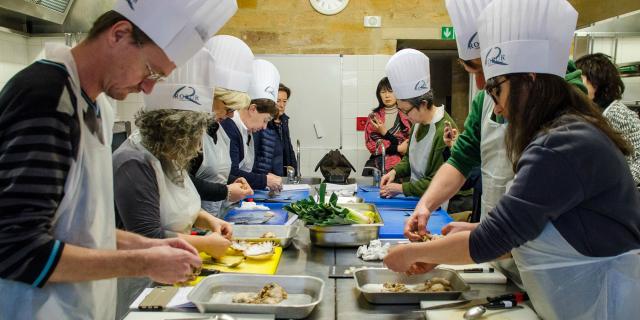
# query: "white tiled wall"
17,52
360,77
13,55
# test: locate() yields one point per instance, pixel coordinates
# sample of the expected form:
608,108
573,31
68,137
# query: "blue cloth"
394,221
236,152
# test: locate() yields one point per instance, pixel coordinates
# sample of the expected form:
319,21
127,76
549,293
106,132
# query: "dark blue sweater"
574,177
236,152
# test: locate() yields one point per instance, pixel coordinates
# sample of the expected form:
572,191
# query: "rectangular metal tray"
367,278
214,293
253,233
352,235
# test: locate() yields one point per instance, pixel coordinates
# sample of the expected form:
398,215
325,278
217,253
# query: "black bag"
335,167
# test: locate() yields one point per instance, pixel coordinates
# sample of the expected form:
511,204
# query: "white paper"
179,301
294,187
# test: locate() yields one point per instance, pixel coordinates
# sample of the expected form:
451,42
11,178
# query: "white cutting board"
486,277
526,313
191,315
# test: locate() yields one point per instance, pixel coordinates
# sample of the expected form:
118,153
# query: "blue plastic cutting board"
371,194
294,195
394,223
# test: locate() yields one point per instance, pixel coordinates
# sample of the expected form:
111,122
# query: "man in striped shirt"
58,240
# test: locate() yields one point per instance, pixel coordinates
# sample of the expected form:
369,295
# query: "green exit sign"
447,33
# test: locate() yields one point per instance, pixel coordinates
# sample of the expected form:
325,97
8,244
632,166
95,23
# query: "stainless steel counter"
341,300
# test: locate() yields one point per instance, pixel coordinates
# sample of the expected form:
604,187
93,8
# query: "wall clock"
329,7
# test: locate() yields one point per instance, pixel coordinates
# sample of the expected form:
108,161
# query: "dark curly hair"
604,77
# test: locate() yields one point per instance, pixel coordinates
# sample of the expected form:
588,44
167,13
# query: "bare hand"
215,245
274,183
221,227
175,243
403,147
390,190
387,178
238,192
245,184
420,268
454,227
399,258
450,136
378,124
170,265
416,226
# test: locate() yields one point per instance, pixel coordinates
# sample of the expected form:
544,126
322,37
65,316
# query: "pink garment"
371,136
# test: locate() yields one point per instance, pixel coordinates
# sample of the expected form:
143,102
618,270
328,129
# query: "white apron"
564,284
419,151
179,208
215,167
497,174
85,218
179,205
249,153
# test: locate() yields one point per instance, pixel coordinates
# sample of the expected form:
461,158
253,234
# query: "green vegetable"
328,214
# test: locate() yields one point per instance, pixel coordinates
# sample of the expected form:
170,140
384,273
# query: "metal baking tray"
214,294
369,282
352,235
253,233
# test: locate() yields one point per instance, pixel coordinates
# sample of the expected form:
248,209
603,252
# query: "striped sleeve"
38,143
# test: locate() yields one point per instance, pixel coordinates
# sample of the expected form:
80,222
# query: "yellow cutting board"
269,266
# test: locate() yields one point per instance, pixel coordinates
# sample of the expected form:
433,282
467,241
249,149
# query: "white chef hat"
179,27
408,73
265,81
464,15
233,62
519,36
189,87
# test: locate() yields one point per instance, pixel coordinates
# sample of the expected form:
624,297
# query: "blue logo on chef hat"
473,42
495,56
271,91
131,3
421,85
186,93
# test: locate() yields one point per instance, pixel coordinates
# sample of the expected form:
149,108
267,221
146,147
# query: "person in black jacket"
274,151
246,122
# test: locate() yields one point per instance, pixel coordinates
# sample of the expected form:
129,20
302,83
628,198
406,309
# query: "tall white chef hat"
265,81
526,36
408,73
189,87
464,15
233,62
179,27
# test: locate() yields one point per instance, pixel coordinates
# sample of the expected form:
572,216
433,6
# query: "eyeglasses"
494,90
152,76
406,113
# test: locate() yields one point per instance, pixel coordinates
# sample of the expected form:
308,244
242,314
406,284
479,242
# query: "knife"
490,302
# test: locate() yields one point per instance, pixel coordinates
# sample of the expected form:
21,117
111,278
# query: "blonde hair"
235,100
174,137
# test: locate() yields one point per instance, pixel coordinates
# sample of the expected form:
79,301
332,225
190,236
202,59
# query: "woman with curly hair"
154,195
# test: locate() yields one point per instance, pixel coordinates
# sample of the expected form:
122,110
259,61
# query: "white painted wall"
13,55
